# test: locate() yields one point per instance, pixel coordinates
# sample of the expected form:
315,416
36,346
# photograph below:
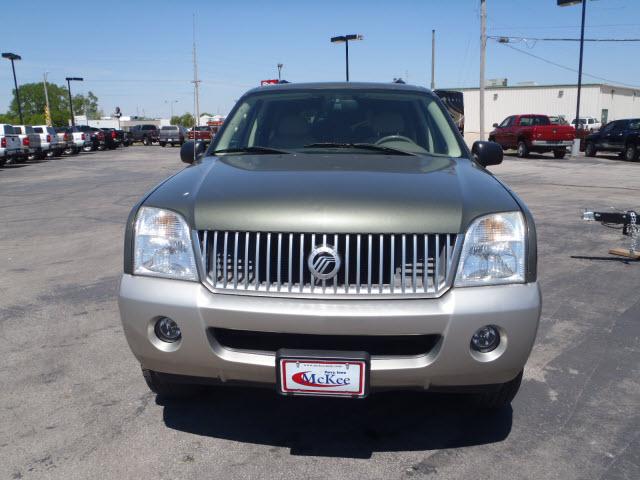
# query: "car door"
617,135
501,131
605,136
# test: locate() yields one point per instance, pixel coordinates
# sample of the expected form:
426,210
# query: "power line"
550,62
506,39
563,27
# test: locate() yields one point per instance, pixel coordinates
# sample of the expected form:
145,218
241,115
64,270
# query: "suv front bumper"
455,316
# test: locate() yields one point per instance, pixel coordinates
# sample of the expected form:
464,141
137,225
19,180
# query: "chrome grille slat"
211,261
405,264
268,262
289,285
245,265
403,276
369,264
436,276
279,274
381,265
347,284
414,265
224,268
235,262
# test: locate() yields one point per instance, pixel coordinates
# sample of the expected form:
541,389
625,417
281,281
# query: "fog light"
167,330
485,339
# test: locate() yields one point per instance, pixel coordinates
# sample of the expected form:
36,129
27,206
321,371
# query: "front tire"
631,153
159,385
590,150
560,153
163,144
523,150
501,397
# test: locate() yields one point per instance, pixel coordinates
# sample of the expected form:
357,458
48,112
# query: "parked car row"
19,143
539,133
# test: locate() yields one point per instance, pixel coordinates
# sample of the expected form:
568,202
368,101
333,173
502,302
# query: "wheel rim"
631,152
520,150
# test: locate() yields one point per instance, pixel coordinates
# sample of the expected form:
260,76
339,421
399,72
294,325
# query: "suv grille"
370,264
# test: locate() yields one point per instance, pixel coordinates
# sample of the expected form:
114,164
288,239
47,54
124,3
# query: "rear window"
9,130
170,128
38,130
534,121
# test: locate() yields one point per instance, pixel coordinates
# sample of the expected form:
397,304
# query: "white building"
602,101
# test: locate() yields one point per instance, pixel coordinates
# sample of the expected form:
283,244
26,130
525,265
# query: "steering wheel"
394,138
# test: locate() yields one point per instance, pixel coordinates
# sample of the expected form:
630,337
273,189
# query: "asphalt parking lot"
73,403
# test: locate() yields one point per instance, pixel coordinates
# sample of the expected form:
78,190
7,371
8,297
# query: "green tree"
33,103
185,120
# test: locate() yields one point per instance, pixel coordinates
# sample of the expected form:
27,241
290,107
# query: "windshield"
326,121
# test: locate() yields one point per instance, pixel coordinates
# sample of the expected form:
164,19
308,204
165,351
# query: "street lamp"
13,57
345,39
171,102
280,65
69,80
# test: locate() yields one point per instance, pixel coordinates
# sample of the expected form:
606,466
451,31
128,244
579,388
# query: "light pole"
171,102
345,39
13,57
280,65
69,80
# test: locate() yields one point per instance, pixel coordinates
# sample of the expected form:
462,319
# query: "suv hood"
333,193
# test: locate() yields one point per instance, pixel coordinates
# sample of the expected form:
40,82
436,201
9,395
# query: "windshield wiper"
254,149
363,146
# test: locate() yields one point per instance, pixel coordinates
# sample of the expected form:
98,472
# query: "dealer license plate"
323,376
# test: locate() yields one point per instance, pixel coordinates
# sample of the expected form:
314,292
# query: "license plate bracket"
325,373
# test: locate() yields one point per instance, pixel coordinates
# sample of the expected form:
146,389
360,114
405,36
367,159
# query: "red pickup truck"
200,133
533,133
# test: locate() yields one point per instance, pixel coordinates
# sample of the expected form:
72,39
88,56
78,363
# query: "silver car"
333,240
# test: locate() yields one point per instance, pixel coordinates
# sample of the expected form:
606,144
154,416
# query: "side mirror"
487,153
191,151
495,125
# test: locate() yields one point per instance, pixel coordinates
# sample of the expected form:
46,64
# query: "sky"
138,54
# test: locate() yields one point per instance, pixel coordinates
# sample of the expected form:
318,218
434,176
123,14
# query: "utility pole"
47,111
576,143
483,59
433,59
196,82
280,65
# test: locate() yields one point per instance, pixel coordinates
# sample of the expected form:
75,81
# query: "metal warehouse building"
599,100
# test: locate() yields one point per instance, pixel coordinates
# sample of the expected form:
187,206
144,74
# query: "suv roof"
341,85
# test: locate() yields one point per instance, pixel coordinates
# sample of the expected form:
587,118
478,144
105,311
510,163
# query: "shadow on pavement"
384,422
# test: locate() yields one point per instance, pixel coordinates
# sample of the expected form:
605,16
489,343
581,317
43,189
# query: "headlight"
163,245
493,251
